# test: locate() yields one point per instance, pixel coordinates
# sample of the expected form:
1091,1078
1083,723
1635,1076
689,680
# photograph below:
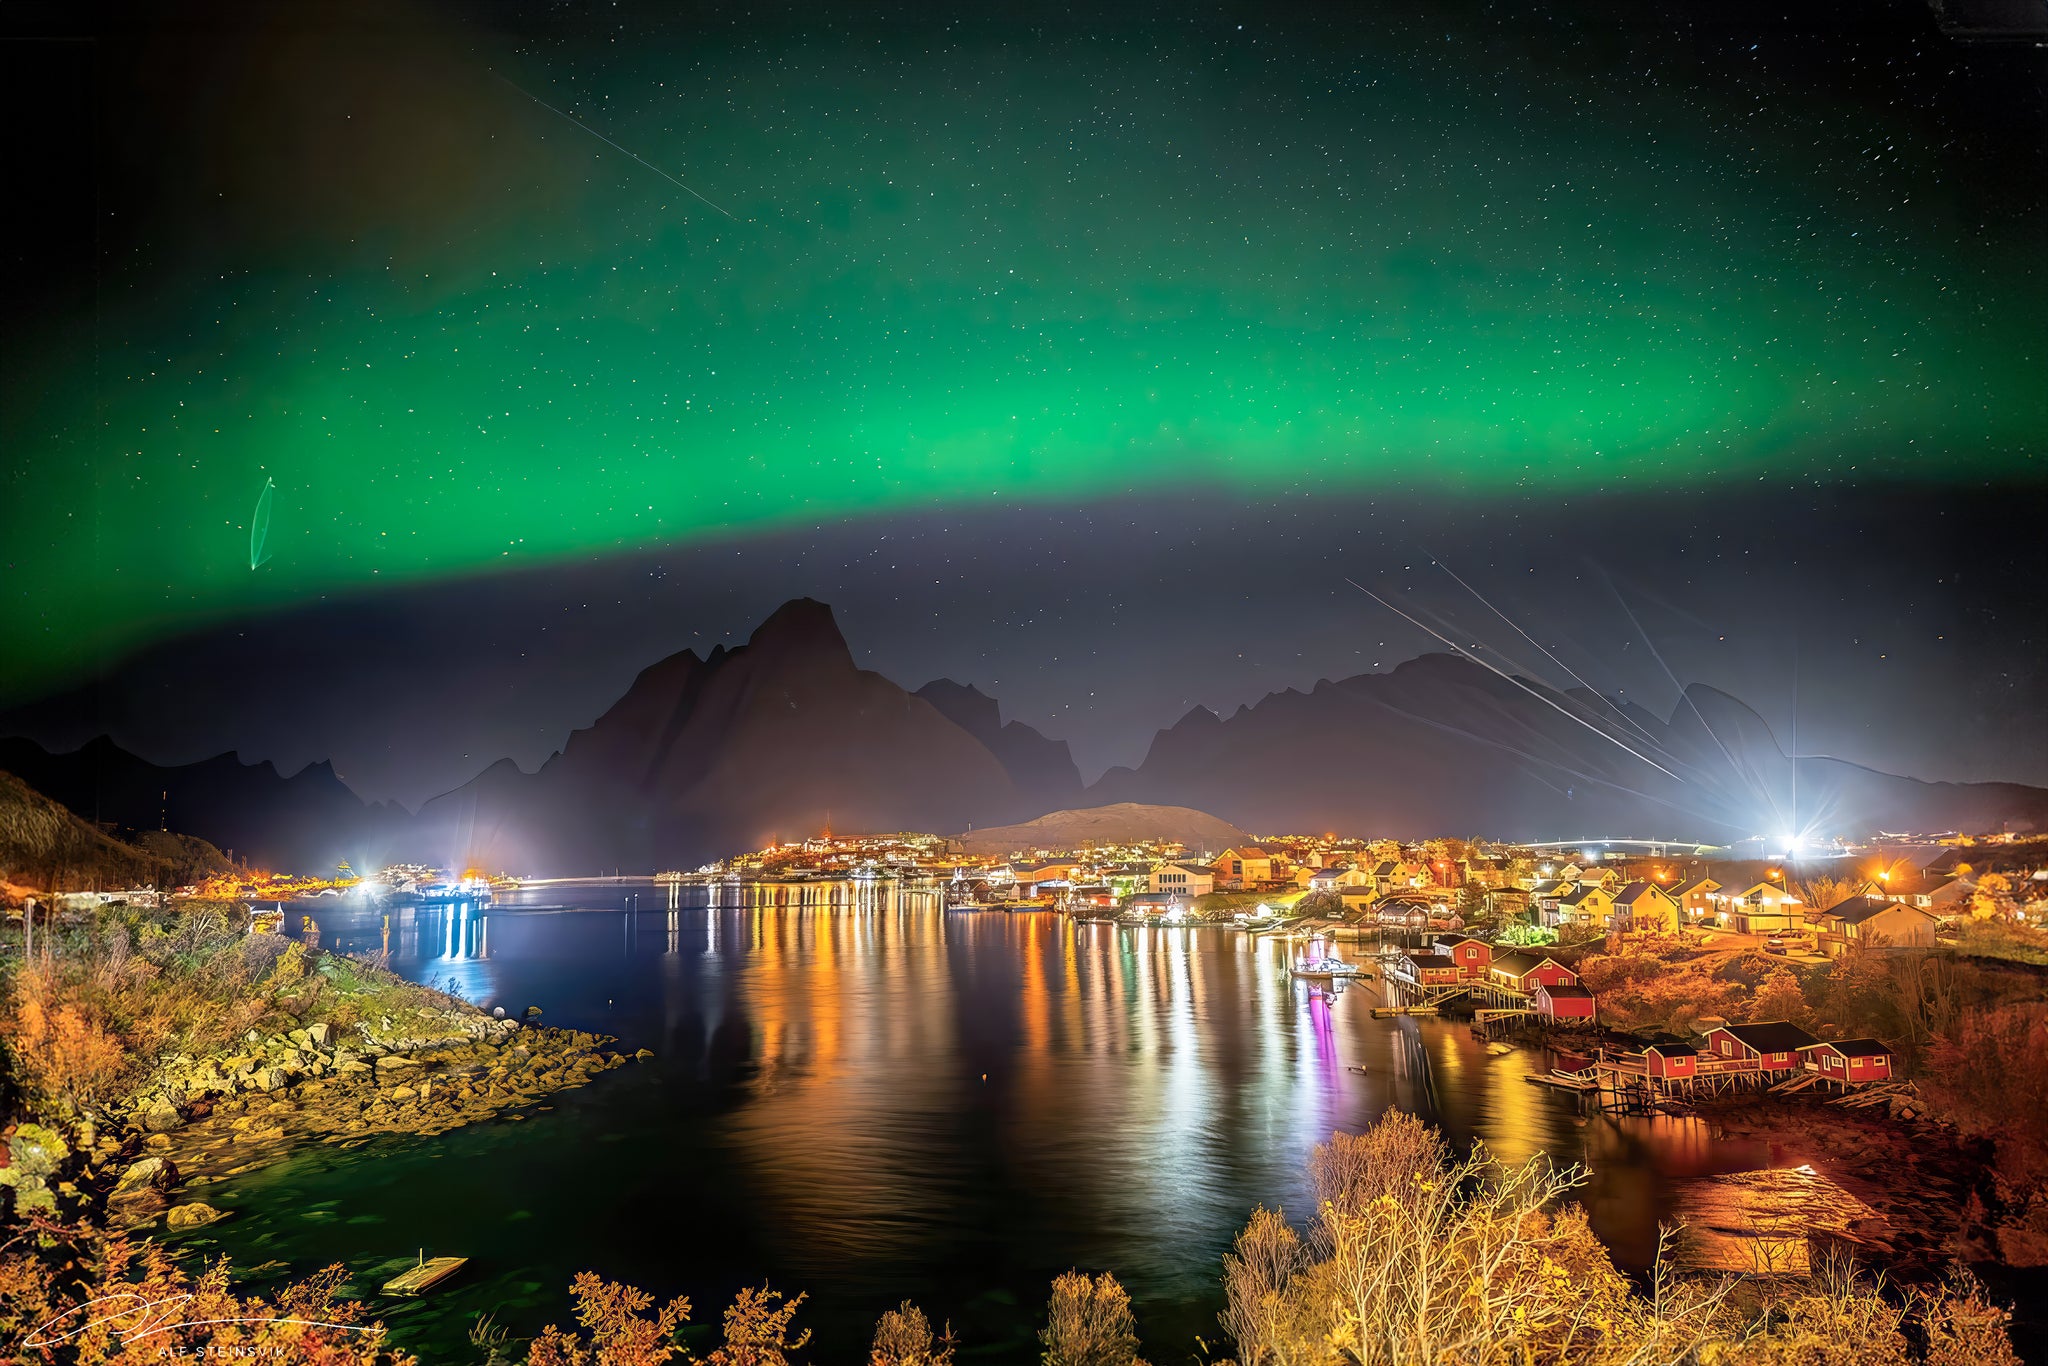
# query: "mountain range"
786,735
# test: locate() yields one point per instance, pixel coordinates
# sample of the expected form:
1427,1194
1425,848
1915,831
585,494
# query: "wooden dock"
1389,1012
424,1277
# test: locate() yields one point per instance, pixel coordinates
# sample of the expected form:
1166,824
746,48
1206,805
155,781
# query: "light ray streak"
1515,681
1757,788
1507,748
609,143
1512,626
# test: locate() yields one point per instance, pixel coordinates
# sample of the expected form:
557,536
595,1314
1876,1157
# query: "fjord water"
860,1095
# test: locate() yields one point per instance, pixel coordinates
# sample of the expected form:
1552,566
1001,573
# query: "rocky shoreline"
198,1121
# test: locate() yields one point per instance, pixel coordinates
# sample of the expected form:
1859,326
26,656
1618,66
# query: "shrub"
1089,1323
903,1337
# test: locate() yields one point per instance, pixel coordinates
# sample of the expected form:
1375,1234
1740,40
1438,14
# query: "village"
1657,957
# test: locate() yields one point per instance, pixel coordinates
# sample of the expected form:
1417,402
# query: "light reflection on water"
861,1095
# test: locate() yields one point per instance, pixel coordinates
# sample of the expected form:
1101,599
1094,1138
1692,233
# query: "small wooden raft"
424,1277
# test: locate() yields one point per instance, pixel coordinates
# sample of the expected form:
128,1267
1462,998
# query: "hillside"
1118,823
45,847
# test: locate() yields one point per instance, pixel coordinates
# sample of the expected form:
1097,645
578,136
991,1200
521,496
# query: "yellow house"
1762,908
1585,906
1646,908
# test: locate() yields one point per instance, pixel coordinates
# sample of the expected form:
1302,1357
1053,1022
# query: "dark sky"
1080,355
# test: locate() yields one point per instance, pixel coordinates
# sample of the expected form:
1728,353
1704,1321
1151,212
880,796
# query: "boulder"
392,1061
195,1215
320,1035
161,1116
270,1079
149,1172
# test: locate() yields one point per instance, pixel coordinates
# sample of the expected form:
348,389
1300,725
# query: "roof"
1672,1050
1698,884
1772,1036
1384,868
1636,891
1550,887
1458,939
1431,960
1580,895
1857,909
1857,1048
1520,964
1565,992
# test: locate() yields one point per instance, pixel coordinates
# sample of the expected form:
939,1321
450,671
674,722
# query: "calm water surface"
866,1097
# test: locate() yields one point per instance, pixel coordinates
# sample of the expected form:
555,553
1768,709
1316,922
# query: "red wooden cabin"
1567,1002
1850,1061
1767,1046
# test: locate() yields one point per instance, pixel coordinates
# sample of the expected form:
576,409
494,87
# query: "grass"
107,998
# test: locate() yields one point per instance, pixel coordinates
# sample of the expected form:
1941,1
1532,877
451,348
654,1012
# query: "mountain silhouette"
777,739
1441,745
786,735
306,822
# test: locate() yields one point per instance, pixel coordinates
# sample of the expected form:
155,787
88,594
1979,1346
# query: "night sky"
1079,355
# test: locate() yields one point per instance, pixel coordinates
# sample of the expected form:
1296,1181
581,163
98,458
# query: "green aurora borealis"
460,334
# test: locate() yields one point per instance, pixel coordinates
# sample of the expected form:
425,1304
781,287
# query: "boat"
429,1273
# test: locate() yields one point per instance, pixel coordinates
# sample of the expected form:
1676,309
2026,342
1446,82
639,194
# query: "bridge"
1654,848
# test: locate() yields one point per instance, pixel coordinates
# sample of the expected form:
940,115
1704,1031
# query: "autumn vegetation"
85,1019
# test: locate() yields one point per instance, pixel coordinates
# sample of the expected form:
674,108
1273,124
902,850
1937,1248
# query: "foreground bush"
1413,1259
77,1295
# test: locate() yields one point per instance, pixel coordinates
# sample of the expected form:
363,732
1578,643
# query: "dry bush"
903,1337
616,1330
1474,1263
88,1298
1089,1323
1990,1076
61,1048
757,1330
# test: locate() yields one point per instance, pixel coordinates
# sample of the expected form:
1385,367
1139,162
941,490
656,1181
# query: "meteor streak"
609,143
1502,674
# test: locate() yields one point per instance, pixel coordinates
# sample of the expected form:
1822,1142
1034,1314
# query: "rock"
402,1093
298,1038
352,1066
161,1116
195,1215
319,1034
157,1141
392,1061
643,1055
149,1172
270,1079
533,1012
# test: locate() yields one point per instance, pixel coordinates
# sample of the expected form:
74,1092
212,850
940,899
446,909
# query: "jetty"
429,1273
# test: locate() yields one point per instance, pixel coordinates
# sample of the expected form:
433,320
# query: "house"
1332,878
1645,908
1396,875
1245,866
1181,879
1670,1061
1565,1003
1852,1062
1474,957
1035,874
1522,971
1768,1046
1696,898
1764,908
1872,922
1431,969
1585,905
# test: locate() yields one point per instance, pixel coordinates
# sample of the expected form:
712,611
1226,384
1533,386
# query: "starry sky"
1079,354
